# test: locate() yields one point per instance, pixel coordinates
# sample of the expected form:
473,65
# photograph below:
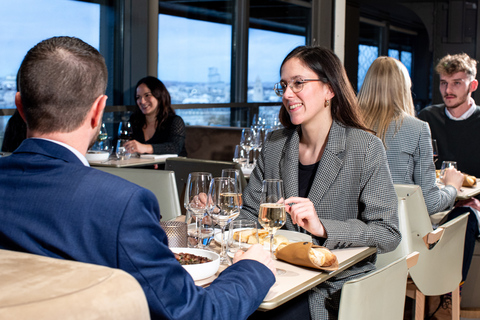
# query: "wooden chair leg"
419,305
456,304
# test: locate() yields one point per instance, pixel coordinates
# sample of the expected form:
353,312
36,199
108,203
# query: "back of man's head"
451,64
59,79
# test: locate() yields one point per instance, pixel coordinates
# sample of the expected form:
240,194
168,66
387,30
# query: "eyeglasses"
295,84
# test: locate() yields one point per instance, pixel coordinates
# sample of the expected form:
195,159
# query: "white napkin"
158,156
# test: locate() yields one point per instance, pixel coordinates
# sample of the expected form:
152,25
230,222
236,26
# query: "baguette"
321,257
469,181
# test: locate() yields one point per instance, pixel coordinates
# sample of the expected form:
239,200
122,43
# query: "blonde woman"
387,106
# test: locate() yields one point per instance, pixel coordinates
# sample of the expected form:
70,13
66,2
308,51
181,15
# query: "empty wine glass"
195,202
240,156
122,152
435,150
272,215
257,143
125,130
248,137
223,207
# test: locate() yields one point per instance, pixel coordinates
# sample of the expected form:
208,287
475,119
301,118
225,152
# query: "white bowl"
94,155
202,270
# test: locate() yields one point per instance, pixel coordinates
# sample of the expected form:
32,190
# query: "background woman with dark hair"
337,184
156,127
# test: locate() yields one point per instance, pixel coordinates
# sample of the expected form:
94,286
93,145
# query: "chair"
38,287
439,267
378,295
160,182
183,166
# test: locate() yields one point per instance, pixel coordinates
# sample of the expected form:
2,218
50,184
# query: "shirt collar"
80,156
464,116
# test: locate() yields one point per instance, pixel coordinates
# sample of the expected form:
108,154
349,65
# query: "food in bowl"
204,270
188,258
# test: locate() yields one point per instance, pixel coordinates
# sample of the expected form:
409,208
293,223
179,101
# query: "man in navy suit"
53,204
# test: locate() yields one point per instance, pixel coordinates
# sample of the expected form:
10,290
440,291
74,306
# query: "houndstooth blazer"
410,158
352,191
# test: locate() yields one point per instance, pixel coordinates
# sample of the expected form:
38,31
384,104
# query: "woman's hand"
453,177
135,146
303,213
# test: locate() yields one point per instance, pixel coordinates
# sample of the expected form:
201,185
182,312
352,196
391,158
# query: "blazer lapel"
289,165
331,162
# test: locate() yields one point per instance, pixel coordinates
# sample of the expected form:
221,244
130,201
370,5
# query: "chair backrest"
161,182
379,294
444,258
183,166
37,287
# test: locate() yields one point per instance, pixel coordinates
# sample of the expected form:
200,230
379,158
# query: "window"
24,23
197,59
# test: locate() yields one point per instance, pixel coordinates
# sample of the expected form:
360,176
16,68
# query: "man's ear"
97,110
19,104
473,85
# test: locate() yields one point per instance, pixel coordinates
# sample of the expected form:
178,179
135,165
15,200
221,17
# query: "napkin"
469,181
158,156
300,253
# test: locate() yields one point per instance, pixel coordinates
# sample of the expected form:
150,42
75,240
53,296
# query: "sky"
21,29
187,48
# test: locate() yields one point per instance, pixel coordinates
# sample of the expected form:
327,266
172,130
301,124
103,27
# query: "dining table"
297,279
133,161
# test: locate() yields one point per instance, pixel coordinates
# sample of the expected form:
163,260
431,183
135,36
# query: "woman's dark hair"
327,66
160,92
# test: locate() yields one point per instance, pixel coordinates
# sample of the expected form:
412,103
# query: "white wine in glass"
223,207
272,215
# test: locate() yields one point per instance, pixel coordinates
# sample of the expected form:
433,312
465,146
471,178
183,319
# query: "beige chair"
439,267
160,182
378,295
183,166
37,287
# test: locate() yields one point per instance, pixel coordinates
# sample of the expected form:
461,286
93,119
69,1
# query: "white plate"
292,236
97,155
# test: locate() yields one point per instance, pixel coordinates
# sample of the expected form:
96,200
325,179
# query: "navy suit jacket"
53,205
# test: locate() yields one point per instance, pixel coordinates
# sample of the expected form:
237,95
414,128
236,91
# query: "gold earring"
327,103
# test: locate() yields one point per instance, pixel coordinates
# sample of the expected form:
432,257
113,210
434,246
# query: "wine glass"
257,143
446,165
235,175
122,152
272,215
435,150
195,203
248,136
125,130
240,156
223,207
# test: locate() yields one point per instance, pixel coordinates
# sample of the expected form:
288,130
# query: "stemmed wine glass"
257,143
223,207
435,150
248,137
272,215
235,175
124,134
195,203
240,156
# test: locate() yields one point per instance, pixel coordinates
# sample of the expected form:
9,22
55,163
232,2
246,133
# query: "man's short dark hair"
59,80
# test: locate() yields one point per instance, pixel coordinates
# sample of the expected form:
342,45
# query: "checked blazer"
352,193
410,158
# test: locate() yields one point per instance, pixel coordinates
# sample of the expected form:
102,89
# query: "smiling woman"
156,127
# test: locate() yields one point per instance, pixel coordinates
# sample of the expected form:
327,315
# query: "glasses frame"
279,86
